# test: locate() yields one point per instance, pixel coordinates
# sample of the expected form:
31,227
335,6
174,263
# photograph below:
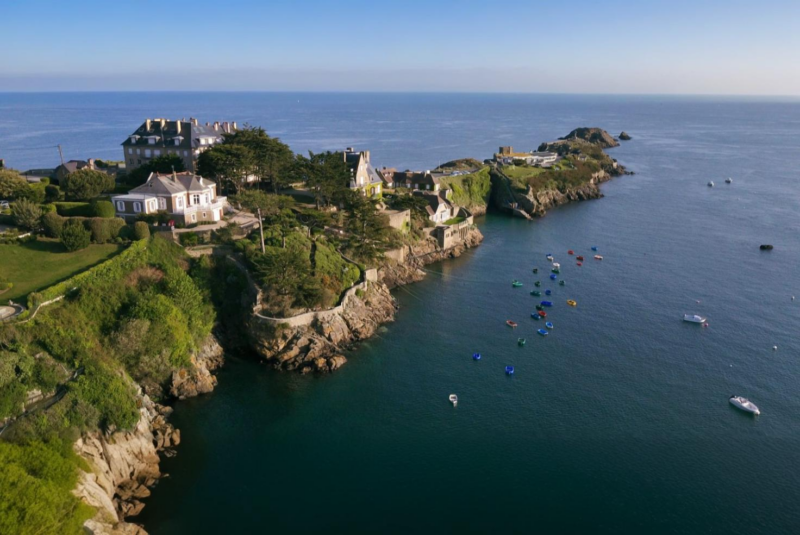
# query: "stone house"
439,207
159,137
186,197
417,180
363,176
71,166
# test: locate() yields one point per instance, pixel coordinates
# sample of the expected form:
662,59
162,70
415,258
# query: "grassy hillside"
137,317
470,190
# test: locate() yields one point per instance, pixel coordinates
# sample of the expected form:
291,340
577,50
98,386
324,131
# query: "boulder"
624,136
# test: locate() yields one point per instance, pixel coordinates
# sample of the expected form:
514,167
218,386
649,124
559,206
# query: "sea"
617,422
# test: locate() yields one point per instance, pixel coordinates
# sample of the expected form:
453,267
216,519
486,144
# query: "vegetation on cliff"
137,317
470,190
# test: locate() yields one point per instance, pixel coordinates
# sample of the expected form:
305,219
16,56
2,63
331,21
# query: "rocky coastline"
124,465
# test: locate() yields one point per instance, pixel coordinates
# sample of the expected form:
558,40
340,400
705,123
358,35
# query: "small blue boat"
546,303
535,315
594,248
548,325
476,356
542,332
548,292
553,276
509,370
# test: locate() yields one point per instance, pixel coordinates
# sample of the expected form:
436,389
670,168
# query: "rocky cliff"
409,269
123,465
536,203
318,346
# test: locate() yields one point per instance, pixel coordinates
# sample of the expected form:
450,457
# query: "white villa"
187,197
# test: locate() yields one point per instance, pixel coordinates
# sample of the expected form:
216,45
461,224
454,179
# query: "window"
139,162
179,202
152,205
138,151
137,207
156,152
147,153
151,141
204,215
120,206
195,199
205,198
162,203
194,217
130,150
186,153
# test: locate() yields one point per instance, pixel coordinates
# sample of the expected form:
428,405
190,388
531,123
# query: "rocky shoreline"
124,465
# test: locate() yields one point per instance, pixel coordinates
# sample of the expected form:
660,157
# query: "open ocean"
617,422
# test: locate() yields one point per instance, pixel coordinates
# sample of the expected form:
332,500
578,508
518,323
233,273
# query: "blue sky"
580,46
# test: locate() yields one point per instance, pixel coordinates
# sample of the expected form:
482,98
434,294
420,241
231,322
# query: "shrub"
103,209
189,239
104,229
27,214
74,236
141,231
53,224
74,209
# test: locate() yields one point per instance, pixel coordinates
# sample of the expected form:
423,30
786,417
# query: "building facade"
185,197
506,155
363,176
159,137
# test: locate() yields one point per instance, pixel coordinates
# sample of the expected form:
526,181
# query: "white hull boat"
744,404
694,318
711,184
454,400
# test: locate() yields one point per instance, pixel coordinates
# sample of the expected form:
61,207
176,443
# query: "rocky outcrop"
536,203
593,135
318,347
124,465
394,273
624,136
197,379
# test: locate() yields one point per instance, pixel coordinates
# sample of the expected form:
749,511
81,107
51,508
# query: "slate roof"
166,132
434,201
168,185
416,177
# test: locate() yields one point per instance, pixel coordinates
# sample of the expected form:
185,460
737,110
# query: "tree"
11,184
51,193
53,224
229,164
165,163
272,159
416,203
326,174
275,209
74,236
283,270
27,214
103,209
369,229
86,184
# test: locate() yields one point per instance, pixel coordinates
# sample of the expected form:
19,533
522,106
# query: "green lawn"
519,175
36,265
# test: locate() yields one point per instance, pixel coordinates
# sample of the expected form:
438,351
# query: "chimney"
366,156
193,121
163,123
233,126
91,163
147,125
226,127
216,125
178,126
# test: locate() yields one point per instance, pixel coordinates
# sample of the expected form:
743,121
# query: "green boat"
521,341
516,284
535,270
537,293
539,307
562,283
555,270
537,283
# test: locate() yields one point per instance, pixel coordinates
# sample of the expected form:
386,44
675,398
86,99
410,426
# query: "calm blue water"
618,422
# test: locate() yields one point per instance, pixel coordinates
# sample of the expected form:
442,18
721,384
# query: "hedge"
103,209
127,260
74,209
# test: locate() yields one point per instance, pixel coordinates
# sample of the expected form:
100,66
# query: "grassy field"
519,175
36,265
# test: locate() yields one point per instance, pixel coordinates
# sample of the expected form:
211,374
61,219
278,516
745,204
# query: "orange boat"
542,314
511,324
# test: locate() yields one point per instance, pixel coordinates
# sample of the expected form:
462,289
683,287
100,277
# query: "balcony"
219,203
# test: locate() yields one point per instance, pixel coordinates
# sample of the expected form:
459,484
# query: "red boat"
570,252
579,258
511,324
542,314
580,263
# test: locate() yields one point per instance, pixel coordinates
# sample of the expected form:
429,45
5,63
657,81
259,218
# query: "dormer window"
151,141
134,139
178,140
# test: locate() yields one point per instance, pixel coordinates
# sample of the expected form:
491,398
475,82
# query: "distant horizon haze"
682,47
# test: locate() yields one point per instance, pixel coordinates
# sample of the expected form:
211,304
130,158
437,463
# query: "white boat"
728,180
694,318
598,257
454,400
556,265
710,183
744,404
